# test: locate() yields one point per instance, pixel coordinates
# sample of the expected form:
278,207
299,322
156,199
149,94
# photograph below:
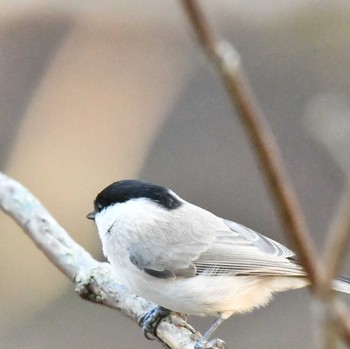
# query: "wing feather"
242,251
198,242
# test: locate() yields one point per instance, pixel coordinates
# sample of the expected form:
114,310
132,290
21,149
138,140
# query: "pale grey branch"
94,280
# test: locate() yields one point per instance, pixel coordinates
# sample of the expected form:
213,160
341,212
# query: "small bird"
188,260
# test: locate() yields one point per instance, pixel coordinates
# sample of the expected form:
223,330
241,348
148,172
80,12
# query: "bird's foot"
150,321
215,343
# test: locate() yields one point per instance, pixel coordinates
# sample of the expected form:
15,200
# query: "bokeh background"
93,92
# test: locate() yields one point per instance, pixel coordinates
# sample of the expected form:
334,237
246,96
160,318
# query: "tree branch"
94,281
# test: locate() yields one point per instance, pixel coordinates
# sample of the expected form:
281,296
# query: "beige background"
96,92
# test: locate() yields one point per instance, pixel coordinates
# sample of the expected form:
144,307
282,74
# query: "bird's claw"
150,321
215,343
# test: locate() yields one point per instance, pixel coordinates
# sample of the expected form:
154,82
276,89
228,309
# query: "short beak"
91,215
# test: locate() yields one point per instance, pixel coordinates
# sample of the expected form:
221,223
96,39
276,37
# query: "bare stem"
337,242
342,322
227,62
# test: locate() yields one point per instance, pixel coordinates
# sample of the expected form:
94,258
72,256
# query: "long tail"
342,284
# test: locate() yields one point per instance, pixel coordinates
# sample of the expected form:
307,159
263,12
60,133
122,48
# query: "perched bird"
188,260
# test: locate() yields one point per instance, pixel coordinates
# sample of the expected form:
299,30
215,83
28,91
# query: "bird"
186,259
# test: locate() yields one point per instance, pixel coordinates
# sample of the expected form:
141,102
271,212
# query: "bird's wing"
242,251
182,237
197,242
167,260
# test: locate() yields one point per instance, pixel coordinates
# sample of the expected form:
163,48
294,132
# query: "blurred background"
94,92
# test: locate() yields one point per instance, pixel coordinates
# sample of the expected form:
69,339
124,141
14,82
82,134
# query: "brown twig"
342,322
337,242
227,62
328,121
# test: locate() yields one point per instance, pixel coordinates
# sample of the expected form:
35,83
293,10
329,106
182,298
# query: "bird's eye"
98,207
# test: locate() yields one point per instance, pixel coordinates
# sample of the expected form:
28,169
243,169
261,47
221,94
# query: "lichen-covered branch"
94,281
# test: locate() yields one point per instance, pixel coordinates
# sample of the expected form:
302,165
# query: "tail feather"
342,284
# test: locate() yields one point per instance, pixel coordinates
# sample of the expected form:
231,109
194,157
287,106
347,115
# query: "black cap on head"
122,191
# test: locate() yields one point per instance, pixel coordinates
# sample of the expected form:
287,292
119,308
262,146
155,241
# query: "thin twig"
94,281
227,62
337,242
327,119
343,323
336,248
